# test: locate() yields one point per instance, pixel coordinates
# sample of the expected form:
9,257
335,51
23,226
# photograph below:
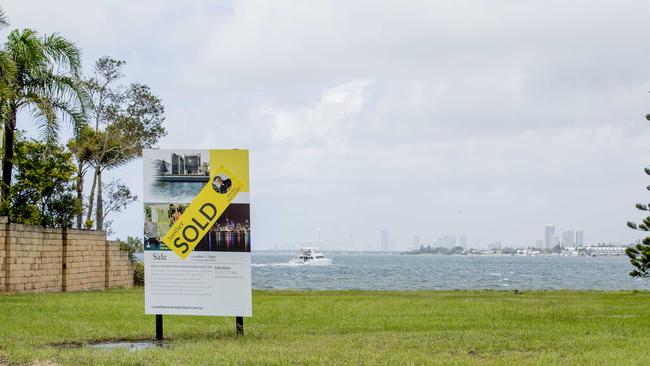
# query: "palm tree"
46,81
82,147
7,74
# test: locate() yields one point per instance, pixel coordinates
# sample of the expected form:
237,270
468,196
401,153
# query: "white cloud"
324,123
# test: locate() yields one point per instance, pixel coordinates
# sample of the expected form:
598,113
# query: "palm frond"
8,72
72,113
44,115
66,95
4,21
26,50
8,68
62,52
48,83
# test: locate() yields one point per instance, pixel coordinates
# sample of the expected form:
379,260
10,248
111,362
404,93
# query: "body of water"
366,271
178,192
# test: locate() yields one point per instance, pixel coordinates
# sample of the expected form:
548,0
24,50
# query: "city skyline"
387,242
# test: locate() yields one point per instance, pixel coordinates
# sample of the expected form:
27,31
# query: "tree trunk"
7,162
80,193
100,202
91,197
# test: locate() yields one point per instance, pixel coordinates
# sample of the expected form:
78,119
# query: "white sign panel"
197,232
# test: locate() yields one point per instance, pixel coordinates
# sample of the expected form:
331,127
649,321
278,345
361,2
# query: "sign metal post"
240,325
159,327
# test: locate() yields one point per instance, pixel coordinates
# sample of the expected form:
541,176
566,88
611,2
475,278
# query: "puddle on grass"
130,345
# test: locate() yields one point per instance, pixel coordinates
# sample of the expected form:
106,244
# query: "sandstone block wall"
37,259
119,271
3,254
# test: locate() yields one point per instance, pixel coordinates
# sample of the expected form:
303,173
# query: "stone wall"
37,259
3,253
119,269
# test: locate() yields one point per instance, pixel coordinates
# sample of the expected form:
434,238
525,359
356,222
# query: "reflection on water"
225,241
174,191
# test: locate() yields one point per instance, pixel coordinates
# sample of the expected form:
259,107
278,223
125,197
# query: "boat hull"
314,262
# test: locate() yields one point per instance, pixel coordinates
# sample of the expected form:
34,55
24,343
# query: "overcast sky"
489,119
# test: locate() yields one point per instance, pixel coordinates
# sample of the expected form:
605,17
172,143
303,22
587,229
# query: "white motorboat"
312,256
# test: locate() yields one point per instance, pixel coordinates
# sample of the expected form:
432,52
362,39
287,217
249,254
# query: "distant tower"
568,238
580,240
416,241
192,163
178,164
462,241
549,232
385,246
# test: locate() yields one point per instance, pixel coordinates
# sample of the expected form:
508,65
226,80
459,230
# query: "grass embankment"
349,327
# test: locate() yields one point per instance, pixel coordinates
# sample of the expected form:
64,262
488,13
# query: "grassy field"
341,327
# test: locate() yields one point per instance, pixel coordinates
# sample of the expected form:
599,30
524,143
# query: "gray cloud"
429,118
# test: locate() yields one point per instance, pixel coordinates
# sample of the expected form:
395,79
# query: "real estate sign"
197,232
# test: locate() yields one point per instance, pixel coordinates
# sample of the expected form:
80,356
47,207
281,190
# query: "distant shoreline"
472,254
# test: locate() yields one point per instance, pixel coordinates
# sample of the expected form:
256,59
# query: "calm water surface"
274,270
174,191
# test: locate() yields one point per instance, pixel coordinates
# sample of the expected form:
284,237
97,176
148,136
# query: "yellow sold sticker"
201,215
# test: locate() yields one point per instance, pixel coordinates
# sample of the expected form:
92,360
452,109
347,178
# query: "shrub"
138,274
43,192
131,245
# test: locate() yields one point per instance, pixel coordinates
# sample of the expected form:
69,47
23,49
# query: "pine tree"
640,253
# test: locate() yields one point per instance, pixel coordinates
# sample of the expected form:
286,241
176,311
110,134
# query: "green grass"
339,327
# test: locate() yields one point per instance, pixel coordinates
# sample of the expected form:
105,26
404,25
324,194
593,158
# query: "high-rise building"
462,241
385,246
416,241
568,238
192,163
178,164
549,232
580,240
